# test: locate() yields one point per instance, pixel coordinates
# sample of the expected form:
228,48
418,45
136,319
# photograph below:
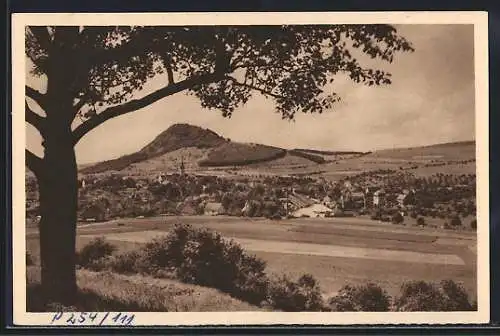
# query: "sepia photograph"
247,168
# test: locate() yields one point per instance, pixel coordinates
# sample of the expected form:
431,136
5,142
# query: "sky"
431,100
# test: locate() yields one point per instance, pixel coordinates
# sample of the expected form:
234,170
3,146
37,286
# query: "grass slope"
106,291
463,150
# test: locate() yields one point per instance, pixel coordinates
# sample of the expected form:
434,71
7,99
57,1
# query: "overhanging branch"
256,88
137,104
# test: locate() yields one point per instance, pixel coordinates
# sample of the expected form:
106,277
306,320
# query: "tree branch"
42,36
170,73
35,95
34,163
137,104
34,118
80,104
256,88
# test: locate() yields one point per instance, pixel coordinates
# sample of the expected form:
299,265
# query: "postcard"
193,169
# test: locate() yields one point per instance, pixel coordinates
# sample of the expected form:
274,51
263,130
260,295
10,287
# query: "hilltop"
175,137
204,151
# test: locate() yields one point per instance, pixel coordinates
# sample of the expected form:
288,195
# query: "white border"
480,21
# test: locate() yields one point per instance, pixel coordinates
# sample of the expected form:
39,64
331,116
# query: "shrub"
385,219
29,259
455,297
303,295
203,257
397,218
368,297
420,221
376,215
455,221
425,296
93,254
126,263
418,296
473,224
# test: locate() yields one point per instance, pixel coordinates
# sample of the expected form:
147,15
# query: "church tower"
182,168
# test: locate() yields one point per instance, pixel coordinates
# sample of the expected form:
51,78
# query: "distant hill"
204,150
216,150
175,137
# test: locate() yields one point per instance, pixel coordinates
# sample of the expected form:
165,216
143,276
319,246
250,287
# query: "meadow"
336,251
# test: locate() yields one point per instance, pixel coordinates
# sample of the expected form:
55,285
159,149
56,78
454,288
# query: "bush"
93,255
126,263
397,218
368,297
203,257
455,221
473,224
290,296
376,215
425,296
455,297
420,221
385,218
29,259
418,296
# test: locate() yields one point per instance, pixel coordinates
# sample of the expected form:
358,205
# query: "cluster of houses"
354,199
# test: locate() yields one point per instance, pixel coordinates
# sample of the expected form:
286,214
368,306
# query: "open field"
337,251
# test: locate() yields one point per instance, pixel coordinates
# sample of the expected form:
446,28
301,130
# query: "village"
383,195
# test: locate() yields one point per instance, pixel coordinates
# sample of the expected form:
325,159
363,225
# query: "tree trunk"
58,185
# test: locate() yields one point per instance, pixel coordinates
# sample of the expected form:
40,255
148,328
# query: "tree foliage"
221,65
366,297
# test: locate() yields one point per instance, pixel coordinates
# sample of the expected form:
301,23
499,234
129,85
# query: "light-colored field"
169,162
256,245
